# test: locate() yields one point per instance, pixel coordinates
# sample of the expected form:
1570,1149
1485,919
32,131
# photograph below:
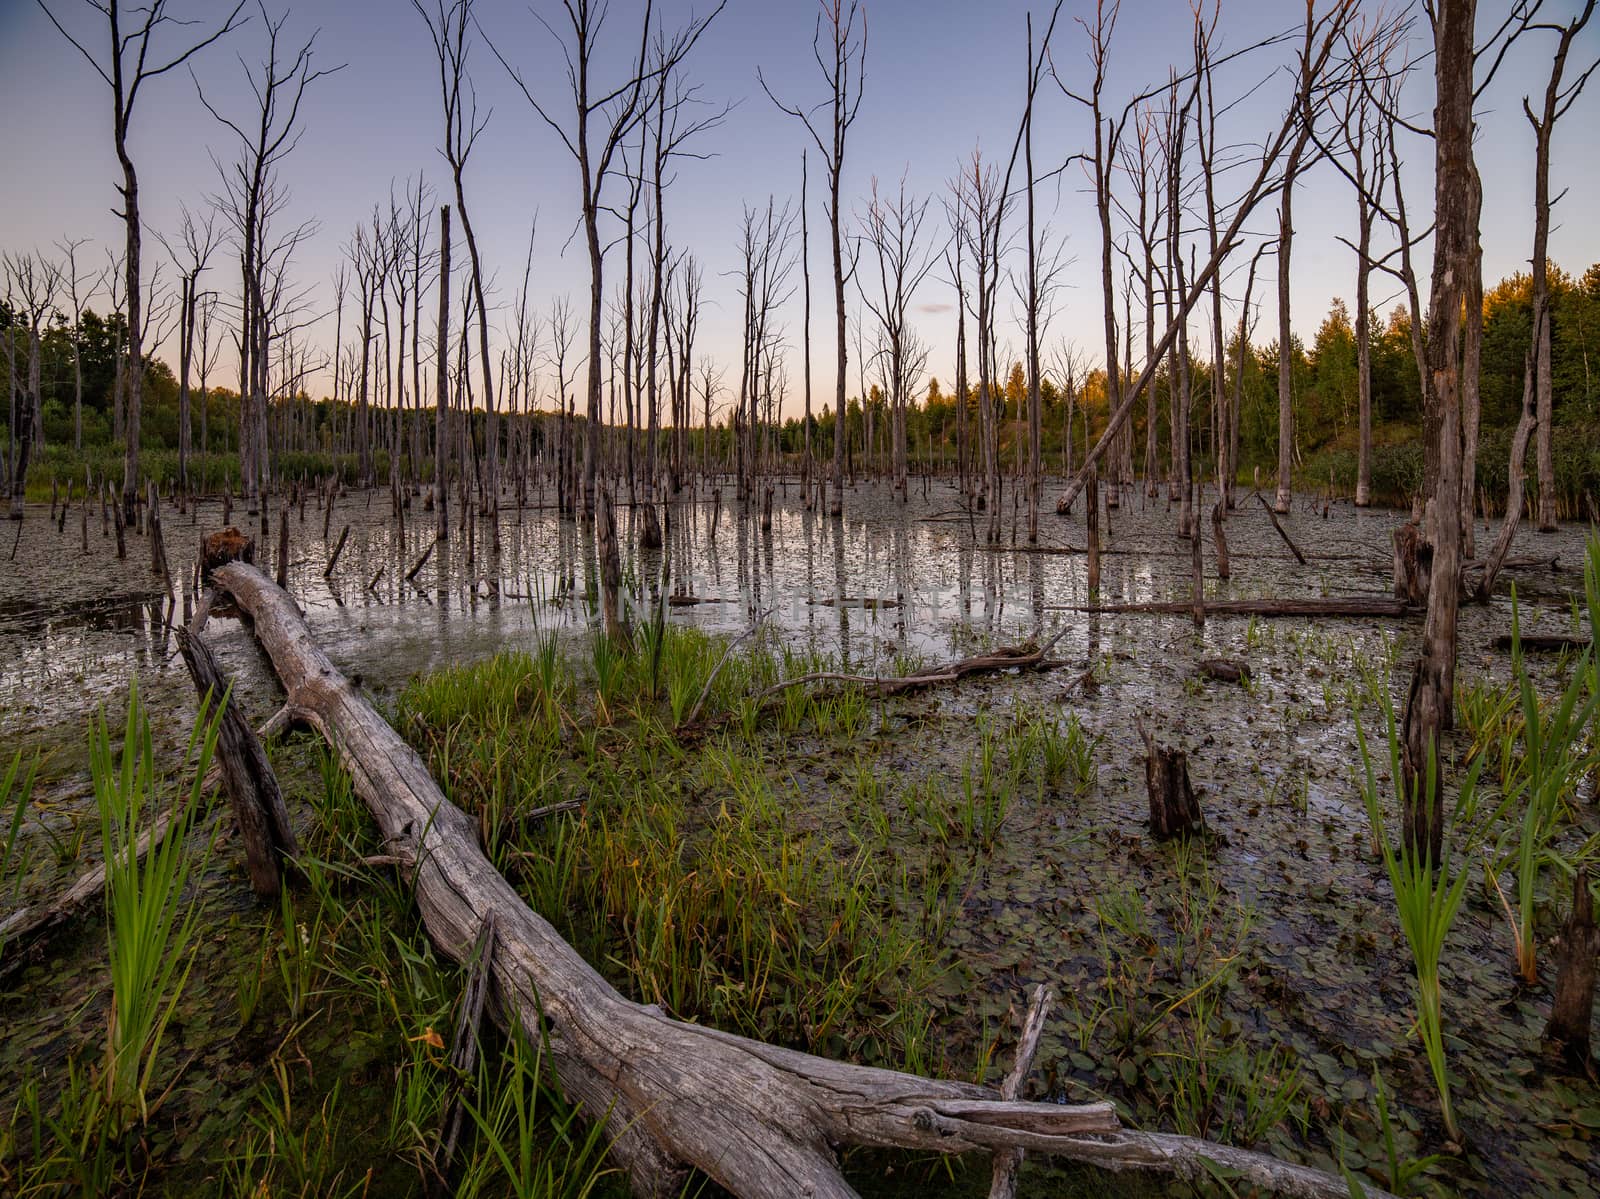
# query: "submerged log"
1572,1009
1224,670
1544,643
1174,808
758,1119
1347,605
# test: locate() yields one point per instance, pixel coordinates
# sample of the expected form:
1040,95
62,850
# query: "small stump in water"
1223,670
219,549
1174,807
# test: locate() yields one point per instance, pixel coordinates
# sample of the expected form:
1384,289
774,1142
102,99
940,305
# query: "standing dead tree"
1329,69
1558,98
447,27
893,230
842,58
197,240
602,116
72,281
1306,82
31,283
134,54
251,196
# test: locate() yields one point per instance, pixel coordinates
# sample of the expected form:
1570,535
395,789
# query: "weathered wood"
1008,657
1197,573
1519,452
1572,1009
1174,808
759,1120
1003,1176
247,774
1348,605
1091,513
1223,670
283,547
219,549
1220,539
1413,564
1282,532
605,535
337,550
417,566
1544,643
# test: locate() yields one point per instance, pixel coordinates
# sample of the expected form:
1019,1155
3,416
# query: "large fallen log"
758,1119
1347,605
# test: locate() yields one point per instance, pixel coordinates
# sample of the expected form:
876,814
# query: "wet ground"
1291,878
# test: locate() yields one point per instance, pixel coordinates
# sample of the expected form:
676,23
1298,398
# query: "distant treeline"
314,436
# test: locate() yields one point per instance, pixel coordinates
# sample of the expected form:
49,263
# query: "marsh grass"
16,793
152,924
712,876
1427,895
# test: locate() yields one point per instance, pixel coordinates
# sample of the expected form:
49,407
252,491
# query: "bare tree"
893,229
1558,98
196,241
841,55
33,282
447,26
73,281
614,107
1328,70
1305,83
133,56
251,196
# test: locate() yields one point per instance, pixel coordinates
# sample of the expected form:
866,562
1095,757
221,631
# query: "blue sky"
942,77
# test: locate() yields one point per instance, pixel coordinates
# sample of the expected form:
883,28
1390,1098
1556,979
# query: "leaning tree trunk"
758,1119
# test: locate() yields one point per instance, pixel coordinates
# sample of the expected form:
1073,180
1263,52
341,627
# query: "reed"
151,927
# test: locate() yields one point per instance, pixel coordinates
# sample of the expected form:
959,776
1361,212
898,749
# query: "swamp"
1036,725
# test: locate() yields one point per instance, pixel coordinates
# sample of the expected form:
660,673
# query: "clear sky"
943,77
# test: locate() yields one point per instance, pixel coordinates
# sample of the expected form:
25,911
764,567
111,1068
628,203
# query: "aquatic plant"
1427,894
151,929
1554,759
531,1142
16,792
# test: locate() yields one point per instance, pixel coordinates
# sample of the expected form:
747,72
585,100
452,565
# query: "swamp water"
1247,987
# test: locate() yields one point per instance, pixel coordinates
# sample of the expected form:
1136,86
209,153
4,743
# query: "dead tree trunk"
246,773
1174,808
1572,1009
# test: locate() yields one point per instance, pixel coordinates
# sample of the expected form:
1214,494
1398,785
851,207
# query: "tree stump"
219,549
1174,807
1413,564
1572,1009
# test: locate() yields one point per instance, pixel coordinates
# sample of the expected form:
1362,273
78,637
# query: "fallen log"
1282,532
1544,643
759,1120
1008,657
1348,605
